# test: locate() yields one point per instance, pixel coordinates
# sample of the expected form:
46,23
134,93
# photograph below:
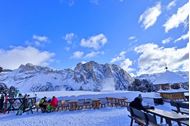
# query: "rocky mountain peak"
27,67
85,76
88,66
30,67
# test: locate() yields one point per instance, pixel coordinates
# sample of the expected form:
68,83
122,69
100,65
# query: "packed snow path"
101,117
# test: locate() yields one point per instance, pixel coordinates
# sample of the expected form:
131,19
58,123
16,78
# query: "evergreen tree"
141,85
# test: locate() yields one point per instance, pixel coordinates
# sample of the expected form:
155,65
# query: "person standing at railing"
23,106
1,102
6,101
25,102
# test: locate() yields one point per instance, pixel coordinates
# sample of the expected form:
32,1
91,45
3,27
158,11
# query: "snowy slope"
183,74
166,77
89,76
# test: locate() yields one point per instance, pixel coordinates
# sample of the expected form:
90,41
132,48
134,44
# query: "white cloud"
69,37
126,65
39,39
13,58
183,37
132,38
153,58
171,4
94,42
167,40
176,19
83,62
93,54
120,57
78,55
149,17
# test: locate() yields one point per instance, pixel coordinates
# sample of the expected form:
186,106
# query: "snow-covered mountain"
166,77
88,76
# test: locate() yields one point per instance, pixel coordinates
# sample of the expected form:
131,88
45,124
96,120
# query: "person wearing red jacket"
54,102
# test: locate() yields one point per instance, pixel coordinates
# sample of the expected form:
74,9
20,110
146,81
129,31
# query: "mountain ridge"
88,76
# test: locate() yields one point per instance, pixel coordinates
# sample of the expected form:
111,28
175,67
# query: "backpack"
42,101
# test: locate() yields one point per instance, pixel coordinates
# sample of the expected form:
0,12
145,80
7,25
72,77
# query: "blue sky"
142,36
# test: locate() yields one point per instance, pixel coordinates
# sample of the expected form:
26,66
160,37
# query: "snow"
115,116
173,90
168,77
101,117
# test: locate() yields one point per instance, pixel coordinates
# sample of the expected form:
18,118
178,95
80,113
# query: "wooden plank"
167,114
185,122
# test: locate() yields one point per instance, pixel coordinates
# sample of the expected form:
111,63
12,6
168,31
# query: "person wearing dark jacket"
1,102
137,104
25,102
43,104
24,105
